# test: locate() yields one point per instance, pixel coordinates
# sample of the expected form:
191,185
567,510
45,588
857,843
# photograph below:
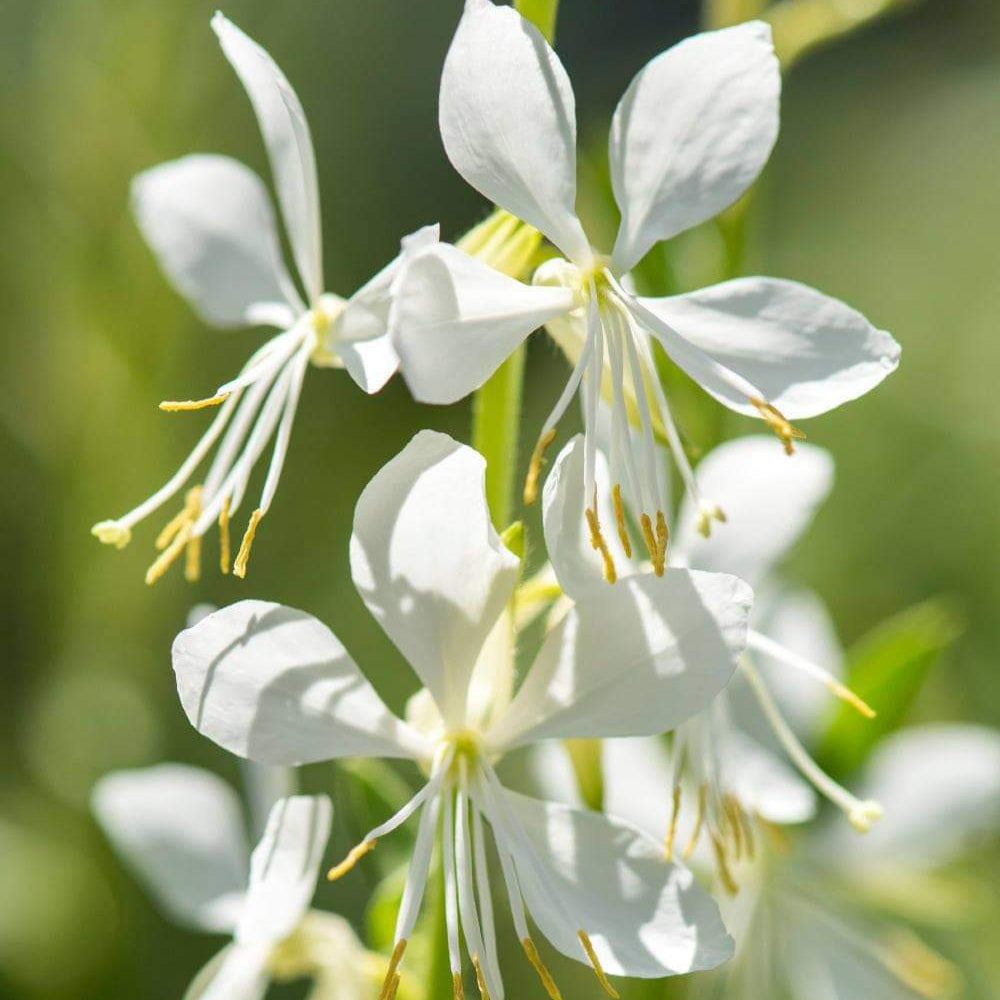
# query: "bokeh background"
883,190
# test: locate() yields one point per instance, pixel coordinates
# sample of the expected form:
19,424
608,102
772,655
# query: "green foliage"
887,667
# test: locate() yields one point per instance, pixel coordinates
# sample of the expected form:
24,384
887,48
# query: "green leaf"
887,667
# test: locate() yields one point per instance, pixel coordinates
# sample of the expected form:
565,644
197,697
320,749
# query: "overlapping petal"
275,685
289,146
180,829
768,498
636,659
456,319
429,564
803,351
209,220
691,134
508,121
585,871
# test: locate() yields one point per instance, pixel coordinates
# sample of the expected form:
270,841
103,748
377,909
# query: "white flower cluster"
674,645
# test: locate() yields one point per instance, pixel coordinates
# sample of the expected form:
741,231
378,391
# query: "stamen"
776,420
699,819
166,559
748,835
650,539
539,966
535,466
353,857
175,537
174,525
179,405
484,991
616,496
456,986
192,564
675,811
597,542
224,536
722,866
707,513
240,564
391,995
112,533
596,963
662,534
732,811
391,976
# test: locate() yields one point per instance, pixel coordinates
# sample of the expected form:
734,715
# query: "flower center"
322,318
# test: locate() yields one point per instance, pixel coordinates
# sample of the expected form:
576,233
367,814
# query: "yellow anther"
458,991
112,533
732,811
846,694
192,563
699,819
391,980
616,496
179,405
776,420
224,536
484,991
240,563
539,966
708,513
597,542
649,538
722,866
675,811
662,534
596,963
166,558
535,466
172,527
748,835
863,814
353,857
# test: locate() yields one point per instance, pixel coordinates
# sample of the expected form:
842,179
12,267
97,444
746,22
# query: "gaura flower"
275,685
825,914
692,132
210,222
181,830
733,774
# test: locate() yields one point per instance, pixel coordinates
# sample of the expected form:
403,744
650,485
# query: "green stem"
542,13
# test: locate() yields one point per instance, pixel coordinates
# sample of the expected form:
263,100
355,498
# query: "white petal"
284,868
427,562
289,146
508,121
691,134
360,334
180,829
275,685
638,783
210,222
644,916
455,320
578,566
635,659
264,785
238,972
939,785
805,351
768,497
762,782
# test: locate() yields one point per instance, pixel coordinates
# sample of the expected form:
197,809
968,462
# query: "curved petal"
644,916
938,785
578,566
804,351
769,500
289,146
284,868
180,829
638,780
275,685
635,659
238,972
508,121
210,223
456,319
359,335
691,134
427,562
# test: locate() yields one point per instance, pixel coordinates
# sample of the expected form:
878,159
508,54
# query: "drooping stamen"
699,820
394,986
192,562
183,405
598,543
416,877
722,865
675,811
483,889
731,813
224,536
457,990
596,964
391,976
763,644
662,536
535,466
484,991
354,855
616,497
451,893
240,562
787,433
859,814
539,966
176,537
707,513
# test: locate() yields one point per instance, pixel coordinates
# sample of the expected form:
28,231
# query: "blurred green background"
883,191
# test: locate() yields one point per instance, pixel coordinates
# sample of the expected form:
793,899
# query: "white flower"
181,831
275,685
722,755
691,133
821,916
210,222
